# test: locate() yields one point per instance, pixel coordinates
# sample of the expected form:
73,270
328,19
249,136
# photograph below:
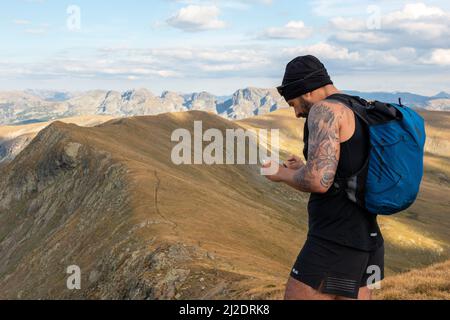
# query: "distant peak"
442,95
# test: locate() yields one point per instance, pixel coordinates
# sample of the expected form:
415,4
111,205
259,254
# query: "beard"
306,106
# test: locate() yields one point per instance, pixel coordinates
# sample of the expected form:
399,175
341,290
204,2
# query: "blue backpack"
389,181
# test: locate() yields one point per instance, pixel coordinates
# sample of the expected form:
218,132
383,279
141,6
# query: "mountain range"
30,106
23,107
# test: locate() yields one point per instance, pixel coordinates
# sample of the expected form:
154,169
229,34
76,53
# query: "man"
344,244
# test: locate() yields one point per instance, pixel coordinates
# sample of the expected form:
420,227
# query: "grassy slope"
252,229
422,284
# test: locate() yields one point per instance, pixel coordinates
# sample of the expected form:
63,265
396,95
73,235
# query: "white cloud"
32,28
205,62
324,51
214,62
419,20
21,22
373,38
36,30
232,4
150,64
94,67
347,24
439,57
195,18
394,57
415,11
333,8
292,30
232,55
415,25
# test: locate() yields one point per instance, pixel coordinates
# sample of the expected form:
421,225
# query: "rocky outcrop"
13,139
10,148
252,102
53,201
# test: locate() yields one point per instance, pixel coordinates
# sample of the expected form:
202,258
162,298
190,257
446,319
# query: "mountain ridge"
114,180
18,107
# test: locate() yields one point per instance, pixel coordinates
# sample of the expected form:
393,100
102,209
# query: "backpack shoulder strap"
373,112
358,105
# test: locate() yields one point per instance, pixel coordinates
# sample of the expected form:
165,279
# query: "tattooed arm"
323,149
317,176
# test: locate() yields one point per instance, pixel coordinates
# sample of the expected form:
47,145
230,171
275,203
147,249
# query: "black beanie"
303,74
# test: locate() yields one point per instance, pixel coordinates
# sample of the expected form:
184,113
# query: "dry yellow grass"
10,132
422,284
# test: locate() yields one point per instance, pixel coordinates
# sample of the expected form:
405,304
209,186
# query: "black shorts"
338,270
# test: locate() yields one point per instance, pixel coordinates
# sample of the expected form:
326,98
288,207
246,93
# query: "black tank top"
334,217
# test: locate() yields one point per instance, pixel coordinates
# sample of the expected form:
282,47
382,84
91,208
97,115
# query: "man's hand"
294,163
318,174
279,175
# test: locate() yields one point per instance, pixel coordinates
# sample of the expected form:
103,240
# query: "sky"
221,46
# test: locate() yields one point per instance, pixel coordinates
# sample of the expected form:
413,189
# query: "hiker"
344,246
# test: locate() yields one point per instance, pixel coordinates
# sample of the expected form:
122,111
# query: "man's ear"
307,96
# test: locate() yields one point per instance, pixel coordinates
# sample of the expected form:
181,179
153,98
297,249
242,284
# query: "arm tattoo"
324,148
